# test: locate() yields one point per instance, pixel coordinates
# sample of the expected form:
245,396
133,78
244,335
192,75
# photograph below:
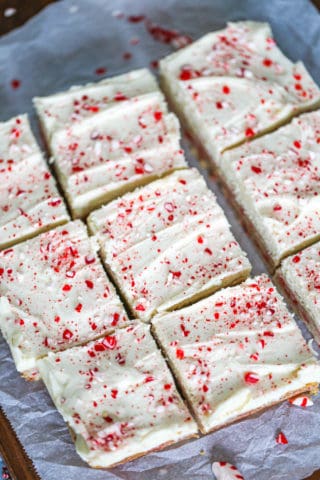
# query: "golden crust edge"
295,304
137,455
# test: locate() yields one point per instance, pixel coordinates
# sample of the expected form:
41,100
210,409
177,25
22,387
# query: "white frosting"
78,103
118,396
236,351
29,200
109,137
236,83
301,276
168,243
54,294
276,181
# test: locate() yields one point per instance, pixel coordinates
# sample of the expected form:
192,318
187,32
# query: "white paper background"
61,47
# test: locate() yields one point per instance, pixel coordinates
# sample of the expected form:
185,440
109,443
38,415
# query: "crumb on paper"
15,83
310,345
134,41
73,9
127,56
100,70
163,472
226,471
117,14
301,401
281,439
202,452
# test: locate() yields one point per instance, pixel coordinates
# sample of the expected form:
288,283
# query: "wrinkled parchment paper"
62,46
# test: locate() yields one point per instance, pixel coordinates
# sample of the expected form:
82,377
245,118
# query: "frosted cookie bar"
117,396
54,294
168,244
233,84
109,137
29,200
299,277
275,181
236,352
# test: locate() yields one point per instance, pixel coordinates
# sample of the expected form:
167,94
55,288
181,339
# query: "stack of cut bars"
229,340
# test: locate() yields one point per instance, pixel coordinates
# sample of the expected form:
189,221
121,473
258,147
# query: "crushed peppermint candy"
226,471
281,439
93,137
127,394
80,304
301,401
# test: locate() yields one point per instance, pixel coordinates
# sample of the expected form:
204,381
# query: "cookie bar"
234,84
54,294
117,396
109,137
275,182
29,200
168,244
236,352
299,277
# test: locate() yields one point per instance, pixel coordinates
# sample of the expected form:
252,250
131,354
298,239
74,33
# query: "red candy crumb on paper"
301,401
100,71
281,439
165,35
15,83
226,471
136,18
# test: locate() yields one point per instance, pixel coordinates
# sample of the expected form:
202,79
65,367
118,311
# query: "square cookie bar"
54,294
109,137
29,200
168,244
117,396
299,277
236,352
233,84
275,182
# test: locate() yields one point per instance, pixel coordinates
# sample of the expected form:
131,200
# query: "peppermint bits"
226,471
301,401
67,334
281,439
251,378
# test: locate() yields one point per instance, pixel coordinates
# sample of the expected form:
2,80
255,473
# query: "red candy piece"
251,377
67,334
256,169
180,354
301,401
89,284
226,471
281,439
15,83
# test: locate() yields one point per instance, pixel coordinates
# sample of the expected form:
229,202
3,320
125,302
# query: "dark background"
28,8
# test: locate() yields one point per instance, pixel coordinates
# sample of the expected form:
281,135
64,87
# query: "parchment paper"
64,45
